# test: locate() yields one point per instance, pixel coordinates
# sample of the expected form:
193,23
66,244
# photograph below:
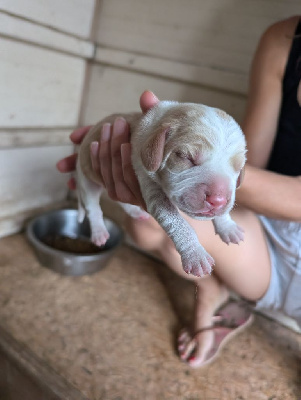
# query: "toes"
201,351
183,340
185,345
183,336
194,350
187,350
195,361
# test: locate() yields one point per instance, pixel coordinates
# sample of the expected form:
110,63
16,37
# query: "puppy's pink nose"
217,201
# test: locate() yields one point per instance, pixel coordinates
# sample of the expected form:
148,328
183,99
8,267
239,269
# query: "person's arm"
264,192
270,194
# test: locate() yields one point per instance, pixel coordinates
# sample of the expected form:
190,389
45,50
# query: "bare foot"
194,347
212,330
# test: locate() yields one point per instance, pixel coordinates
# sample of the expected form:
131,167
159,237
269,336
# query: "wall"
194,50
71,62
44,46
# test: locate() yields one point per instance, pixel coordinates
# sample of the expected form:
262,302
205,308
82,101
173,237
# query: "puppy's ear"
152,154
240,178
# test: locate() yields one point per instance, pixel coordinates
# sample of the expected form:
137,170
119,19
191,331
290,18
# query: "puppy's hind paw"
198,263
142,215
135,211
100,237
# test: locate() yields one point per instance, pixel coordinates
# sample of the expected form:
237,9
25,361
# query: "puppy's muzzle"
205,200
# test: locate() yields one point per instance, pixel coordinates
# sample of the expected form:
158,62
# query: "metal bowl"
62,226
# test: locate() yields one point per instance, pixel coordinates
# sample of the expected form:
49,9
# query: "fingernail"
94,148
119,126
59,165
105,132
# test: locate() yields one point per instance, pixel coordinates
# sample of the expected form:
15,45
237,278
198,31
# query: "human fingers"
105,160
120,135
71,184
78,135
148,100
130,177
67,164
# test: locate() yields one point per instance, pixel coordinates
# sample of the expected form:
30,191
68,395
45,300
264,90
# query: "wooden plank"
29,179
34,137
193,74
220,35
113,90
38,87
27,31
72,16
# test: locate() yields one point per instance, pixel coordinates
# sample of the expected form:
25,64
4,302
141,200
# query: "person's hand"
111,157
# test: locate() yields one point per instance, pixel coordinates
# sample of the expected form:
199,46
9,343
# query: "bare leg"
243,268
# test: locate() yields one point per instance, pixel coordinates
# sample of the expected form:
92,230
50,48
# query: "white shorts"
284,292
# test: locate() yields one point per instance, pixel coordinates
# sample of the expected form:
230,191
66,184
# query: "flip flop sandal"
230,319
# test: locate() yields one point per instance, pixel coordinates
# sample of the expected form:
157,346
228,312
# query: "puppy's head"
197,154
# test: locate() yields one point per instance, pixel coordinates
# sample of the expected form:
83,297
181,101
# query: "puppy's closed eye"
187,157
180,161
182,154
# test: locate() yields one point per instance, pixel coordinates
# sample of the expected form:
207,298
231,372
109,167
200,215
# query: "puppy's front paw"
231,233
197,263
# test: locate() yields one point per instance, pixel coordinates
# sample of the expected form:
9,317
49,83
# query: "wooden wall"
67,63
192,50
44,46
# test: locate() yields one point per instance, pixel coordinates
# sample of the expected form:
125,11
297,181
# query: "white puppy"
187,157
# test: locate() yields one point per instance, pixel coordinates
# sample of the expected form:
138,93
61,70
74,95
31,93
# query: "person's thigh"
244,268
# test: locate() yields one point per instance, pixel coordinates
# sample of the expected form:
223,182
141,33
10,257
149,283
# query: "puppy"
187,157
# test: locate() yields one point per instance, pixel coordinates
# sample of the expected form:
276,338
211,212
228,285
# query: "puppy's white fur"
187,157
